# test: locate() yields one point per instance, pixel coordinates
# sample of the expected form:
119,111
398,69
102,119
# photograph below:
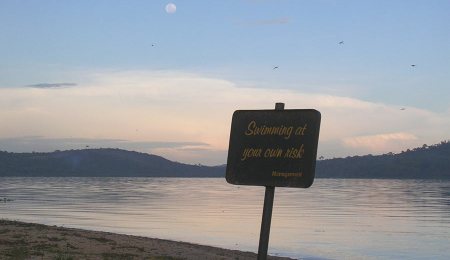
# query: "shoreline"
21,240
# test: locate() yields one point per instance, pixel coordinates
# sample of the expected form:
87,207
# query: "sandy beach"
19,240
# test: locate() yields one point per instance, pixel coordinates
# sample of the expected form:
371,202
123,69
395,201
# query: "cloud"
44,144
193,113
380,143
52,85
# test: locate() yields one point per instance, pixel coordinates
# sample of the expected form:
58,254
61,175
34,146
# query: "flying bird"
413,65
402,108
276,67
341,42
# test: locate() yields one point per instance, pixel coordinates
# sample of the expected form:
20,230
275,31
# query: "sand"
19,240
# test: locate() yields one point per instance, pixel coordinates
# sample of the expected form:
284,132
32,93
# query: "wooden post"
265,223
267,213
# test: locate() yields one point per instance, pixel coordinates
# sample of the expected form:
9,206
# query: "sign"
273,147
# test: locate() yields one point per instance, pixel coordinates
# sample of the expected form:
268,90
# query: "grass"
17,253
63,256
114,256
4,231
102,239
56,239
163,258
43,247
20,250
140,249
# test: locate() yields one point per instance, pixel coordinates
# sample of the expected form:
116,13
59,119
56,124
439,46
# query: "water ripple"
334,219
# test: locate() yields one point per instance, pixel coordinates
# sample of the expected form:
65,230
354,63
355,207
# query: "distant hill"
99,163
426,162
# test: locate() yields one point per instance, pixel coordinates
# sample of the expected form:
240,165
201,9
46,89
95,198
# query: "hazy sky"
145,76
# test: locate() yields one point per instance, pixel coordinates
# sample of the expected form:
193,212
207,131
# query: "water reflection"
334,219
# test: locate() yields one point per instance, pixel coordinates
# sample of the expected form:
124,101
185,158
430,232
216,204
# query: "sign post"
267,213
272,148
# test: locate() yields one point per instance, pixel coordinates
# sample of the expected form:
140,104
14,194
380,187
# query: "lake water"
334,219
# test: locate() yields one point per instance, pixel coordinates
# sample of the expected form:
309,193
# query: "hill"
426,162
99,163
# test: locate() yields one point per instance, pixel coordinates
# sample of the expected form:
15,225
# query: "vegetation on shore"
426,162
99,163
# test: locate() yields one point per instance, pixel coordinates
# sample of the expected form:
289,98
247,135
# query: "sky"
165,79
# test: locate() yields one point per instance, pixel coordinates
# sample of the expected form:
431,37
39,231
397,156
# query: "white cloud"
380,143
140,106
42,144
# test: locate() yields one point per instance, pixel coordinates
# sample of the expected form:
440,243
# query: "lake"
334,219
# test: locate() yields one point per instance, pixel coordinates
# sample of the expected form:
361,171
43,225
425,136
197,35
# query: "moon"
171,8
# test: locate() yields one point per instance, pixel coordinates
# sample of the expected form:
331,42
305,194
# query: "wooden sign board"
273,147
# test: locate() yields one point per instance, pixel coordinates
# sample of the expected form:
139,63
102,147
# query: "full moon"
171,8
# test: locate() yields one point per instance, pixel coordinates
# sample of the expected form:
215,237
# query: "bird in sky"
276,67
341,42
402,108
413,65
